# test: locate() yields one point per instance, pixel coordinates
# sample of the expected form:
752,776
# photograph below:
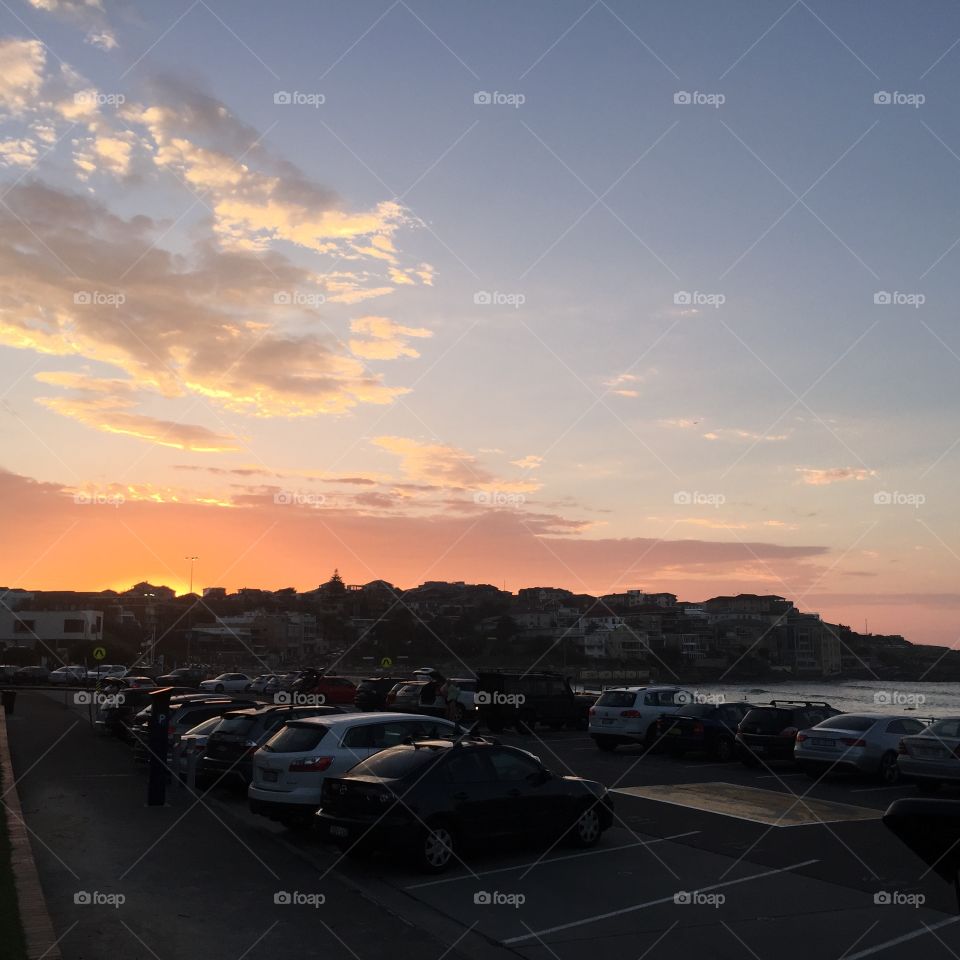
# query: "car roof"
341,719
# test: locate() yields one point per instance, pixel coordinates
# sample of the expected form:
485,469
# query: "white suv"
630,714
289,769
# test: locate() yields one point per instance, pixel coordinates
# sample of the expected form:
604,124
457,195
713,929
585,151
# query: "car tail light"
631,714
311,765
789,732
391,698
591,711
698,729
801,737
851,742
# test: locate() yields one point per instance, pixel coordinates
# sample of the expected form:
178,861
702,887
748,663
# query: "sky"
599,295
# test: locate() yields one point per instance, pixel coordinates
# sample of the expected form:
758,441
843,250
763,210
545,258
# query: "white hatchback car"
630,714
227,683
289,769
72,674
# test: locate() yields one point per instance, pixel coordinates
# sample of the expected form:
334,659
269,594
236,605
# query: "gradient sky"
582,335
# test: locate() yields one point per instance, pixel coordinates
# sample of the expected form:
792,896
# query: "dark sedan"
435,798
707,728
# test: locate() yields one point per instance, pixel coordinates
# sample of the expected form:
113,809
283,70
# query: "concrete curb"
34,918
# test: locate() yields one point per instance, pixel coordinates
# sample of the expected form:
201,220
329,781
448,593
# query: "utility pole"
190,611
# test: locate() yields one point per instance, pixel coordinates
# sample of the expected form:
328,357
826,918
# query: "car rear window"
236,725
768,716
944,728
395,763
846,721
296,738
616,698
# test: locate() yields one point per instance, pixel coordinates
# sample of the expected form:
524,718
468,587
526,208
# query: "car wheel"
586,831
724,750
218,688
435,850
928,787
889,769
607,744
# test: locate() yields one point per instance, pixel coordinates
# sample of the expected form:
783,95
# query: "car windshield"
616,698
394,763
297,738
202,729
846,721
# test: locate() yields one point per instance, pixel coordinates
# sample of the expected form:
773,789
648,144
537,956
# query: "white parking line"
703,766
536,863
779,776
927,928
654,903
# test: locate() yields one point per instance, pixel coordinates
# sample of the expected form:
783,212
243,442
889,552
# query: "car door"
473,796
523,802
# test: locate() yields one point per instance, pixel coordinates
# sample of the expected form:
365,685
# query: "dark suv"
372,693
185,713
230,748
435,798
768,734
522,700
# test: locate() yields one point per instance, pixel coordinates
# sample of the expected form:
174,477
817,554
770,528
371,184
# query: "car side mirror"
931,829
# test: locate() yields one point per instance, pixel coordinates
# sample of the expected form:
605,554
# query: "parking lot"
717,858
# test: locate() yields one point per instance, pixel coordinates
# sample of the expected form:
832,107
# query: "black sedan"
703,728
435,798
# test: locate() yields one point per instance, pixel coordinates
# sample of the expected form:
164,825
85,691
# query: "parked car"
629,714
407,697
703,728
227,683
372,693
334,690
193,744
288,770
767,734
522,700
265,683
932,757
434,799
185,713
230,749
103,670
181,677
856,742
118,707
7,671
36,674
72,675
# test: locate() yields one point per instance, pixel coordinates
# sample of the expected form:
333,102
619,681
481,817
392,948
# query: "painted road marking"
539,863
772,807
653,903
927,928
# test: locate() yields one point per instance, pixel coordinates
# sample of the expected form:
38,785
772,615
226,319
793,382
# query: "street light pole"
190,611
191,559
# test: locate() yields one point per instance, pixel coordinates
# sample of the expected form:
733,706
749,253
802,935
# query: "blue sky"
590,393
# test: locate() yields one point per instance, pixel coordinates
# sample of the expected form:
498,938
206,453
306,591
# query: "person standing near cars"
431,689
451,695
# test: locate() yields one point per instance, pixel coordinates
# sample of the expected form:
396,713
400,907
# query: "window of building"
74,626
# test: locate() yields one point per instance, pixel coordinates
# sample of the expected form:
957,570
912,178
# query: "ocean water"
936,699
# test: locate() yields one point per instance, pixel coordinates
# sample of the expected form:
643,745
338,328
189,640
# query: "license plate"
339,832
606,723
822,742
270,776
